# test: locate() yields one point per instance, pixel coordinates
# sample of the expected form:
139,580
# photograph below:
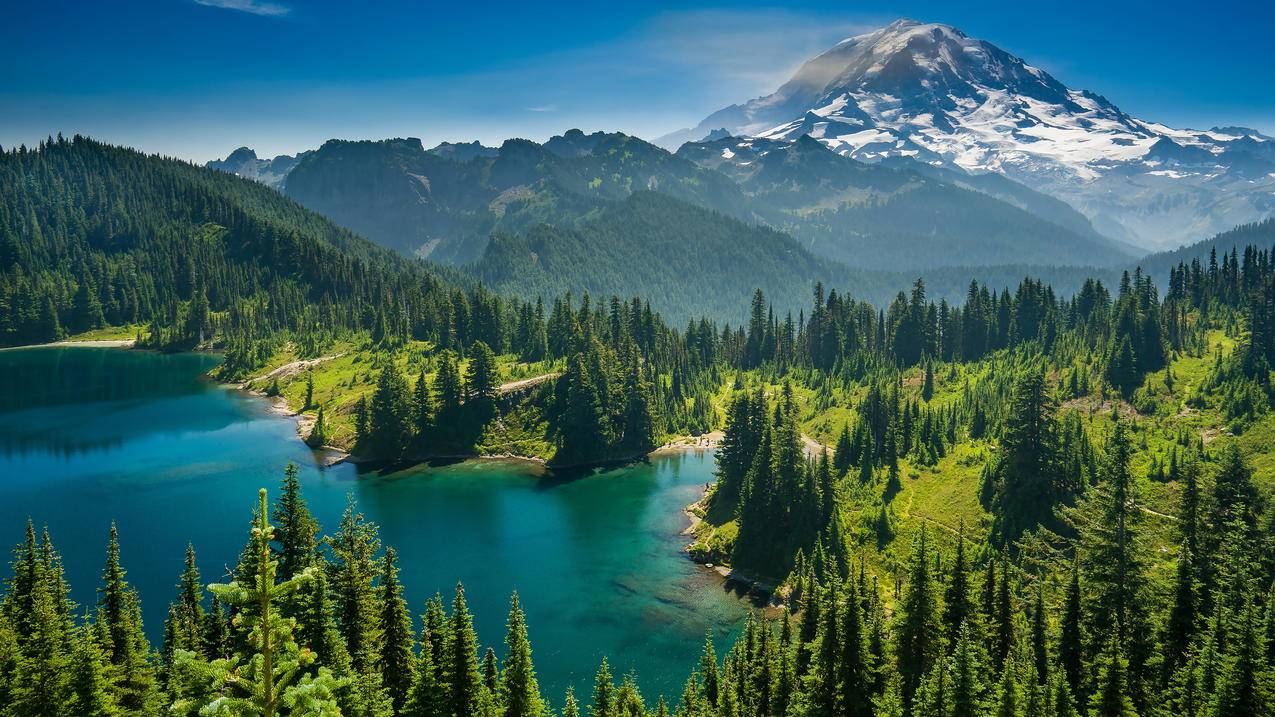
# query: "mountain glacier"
929,93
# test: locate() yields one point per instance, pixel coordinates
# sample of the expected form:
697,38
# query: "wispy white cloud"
254,7
749,49
543,108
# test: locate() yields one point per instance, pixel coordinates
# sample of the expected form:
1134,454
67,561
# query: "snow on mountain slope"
936,95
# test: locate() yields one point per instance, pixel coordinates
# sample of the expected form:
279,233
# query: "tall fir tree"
463,680
350,574
395,660
297,531
519,691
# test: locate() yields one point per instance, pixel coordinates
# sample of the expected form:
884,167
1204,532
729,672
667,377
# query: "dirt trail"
815,448
1157,513
292,369
520,384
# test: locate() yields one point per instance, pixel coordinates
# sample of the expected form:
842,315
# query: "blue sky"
197,78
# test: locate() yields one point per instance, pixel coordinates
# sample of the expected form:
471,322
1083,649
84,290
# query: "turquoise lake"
91,435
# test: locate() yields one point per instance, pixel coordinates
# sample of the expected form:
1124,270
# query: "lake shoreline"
727,573
278,405
87,343
330,455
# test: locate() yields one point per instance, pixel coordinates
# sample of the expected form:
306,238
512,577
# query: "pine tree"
40,684
389,426
1071,640
920,629
519,691
1111,696
464,682
842,453
1028,480
394,658
273,679
87,307
438,632
1061,702
933,697
890,703
447,386
854,673
297,531
569,706
811,605
708,673
1181,628
216,631
1008,700
481,380
1185,697
1234,495
315,614
628,701
1112,555
604,697
50,327
638,427
350,574
91,693
969,664
1040,647
958,603
582,433
125,644
1243,687
188,610
428,697
318,437
823,683
491,672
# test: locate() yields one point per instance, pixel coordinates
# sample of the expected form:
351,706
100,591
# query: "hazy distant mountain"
931,93
444,203
464,151
431,205
889,218
244,162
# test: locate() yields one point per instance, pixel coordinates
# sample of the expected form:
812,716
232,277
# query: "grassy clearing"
109,333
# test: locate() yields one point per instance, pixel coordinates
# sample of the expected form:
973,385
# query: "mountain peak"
931,93
241,154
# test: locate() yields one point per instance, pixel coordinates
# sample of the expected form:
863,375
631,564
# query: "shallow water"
91,435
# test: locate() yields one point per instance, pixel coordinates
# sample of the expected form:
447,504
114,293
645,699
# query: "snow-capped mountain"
938,96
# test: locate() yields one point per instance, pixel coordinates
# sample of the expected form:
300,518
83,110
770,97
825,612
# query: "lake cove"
91,435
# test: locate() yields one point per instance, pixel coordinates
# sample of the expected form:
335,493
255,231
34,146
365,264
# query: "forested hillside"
445,205
1016,504
1207,251
690,261
92,235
